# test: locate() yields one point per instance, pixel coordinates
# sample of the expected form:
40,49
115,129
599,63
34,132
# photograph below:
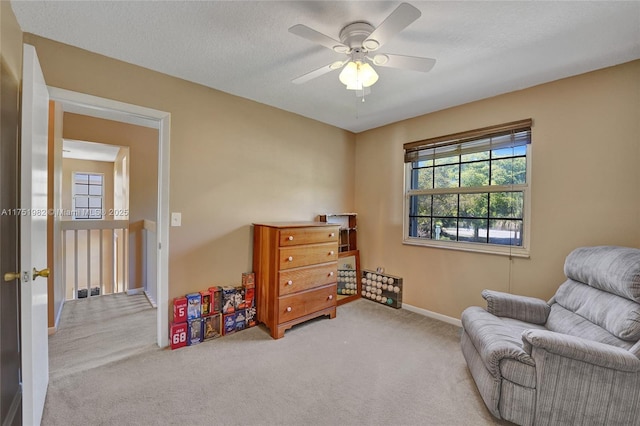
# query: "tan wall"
585,180
69,166
233,161
143,157
142,164
121,184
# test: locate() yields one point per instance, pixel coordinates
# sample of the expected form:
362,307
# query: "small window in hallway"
87,195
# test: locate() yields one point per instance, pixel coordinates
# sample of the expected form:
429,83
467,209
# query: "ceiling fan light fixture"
357,40
370,44
380,59
357,75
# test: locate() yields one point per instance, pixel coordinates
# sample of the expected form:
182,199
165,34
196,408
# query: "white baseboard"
56,321
150,299
434,315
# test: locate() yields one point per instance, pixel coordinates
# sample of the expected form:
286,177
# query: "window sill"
510,251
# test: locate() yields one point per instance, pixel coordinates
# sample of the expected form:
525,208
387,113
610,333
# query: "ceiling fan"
358,41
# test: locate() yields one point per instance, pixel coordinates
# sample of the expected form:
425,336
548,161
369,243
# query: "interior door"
33,238
10,393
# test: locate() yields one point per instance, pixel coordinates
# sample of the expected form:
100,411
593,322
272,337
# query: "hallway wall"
233,161
143,174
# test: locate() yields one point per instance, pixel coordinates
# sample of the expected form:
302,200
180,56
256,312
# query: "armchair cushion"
635,349
579,349
562,320
493,340
583,382
528,309
612,269
617,315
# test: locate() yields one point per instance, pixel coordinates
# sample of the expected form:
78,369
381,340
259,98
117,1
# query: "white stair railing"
94,257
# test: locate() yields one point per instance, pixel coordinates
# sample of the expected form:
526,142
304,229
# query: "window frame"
479,247
75,195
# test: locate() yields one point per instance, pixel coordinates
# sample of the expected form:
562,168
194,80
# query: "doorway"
101,236
92,106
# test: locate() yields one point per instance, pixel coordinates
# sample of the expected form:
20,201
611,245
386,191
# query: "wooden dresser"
296,272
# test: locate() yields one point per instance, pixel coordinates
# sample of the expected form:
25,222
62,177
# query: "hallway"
99,331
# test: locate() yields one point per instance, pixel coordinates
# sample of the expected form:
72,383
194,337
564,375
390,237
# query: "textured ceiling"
482,48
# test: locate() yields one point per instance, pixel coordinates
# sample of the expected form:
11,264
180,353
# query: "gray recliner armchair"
572,360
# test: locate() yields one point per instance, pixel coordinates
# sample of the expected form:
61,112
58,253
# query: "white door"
33,238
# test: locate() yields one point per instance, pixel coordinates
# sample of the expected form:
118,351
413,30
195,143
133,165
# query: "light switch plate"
176,219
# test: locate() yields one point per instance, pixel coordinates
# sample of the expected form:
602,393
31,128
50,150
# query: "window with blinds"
470,190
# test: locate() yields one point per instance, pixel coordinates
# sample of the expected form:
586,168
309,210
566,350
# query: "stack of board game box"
212,313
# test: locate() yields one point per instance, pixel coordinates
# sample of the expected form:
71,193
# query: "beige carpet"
371,365
101,330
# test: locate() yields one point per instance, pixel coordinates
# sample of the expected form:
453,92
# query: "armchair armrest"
580,349
523,308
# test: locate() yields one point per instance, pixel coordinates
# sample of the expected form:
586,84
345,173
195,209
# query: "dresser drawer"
298,236
306,302
296,256
299,279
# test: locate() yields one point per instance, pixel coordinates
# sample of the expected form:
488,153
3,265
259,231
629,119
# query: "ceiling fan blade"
399,19
316,37
404,62
317,73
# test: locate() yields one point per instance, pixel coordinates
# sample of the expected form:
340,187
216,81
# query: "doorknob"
10,276
43,273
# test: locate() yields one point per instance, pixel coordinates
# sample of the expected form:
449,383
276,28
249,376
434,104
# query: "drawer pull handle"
288,308
290,238
290,258
290,282
333,234
331,253
330,296
331,273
